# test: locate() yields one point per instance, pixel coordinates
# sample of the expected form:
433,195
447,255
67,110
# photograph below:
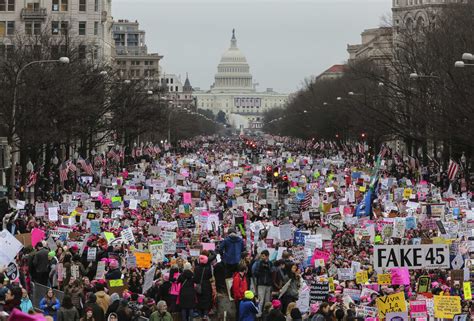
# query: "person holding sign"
187,293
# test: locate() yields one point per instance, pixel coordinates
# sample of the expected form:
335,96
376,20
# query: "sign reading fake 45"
432,256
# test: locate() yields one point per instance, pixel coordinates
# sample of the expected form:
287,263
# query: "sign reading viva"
432,256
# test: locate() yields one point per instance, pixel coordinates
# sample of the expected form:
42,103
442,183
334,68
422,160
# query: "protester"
239,287
97,311
202,279
67,311
187,293
162,314
261,270
40,264
26,305
248,307
231,248
50,304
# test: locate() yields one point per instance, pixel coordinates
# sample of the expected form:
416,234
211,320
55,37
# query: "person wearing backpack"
239,286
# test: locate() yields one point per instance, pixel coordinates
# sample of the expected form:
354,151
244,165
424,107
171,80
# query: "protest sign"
362,277
143,260
434,256
91,254
396,316
12,271
467,290
345,274
148,279
400,276
418,309
424,283
116,286
157,251
384,279
319,291
9,247
391,303
446,306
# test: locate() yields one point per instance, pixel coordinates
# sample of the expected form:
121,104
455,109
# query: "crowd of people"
246,229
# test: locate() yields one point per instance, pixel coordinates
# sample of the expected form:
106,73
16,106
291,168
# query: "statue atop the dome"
233,33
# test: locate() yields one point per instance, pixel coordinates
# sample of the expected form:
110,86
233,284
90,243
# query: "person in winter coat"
75,290
114,272
114,304
124,313
50,305
98,312
275,313
239,286
68,312
12,299
187,294
202,278
262,271
25,304
103,299
40,264
89,315
248,307
162,314
231,248
322,313
53,270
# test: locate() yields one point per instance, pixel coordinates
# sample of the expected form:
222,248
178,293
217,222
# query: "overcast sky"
284,41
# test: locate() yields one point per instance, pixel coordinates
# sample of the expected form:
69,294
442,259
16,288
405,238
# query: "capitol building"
234,92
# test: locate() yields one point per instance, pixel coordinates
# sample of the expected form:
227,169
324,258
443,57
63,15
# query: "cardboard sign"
116,286
143,260
424,283
384,279
362,277
24,239
435,256
391,303
446,307
418,309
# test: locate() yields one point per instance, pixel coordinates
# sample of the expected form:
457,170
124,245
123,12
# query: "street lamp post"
63,60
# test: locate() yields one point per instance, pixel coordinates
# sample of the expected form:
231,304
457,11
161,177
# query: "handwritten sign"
362,277
384,279
446,307
391,303
143,260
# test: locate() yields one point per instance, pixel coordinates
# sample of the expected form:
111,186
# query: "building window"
10,28
7,5
175,88
96,28
167,80
64,27
96,6
82,28
2,28
32,28
82,5
55,27
171,80
64,5
82,52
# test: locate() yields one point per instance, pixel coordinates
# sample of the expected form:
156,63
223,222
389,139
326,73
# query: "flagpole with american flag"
453,169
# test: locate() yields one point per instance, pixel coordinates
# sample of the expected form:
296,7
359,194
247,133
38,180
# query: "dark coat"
40,261
204,300
97,311
187,295
114,274
231,248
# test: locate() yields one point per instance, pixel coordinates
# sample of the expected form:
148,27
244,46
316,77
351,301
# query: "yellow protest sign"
384,279
116,283
362,277
467,291
331,285
116,199
445,307
143,260
362,189
109,236
407,193
391,303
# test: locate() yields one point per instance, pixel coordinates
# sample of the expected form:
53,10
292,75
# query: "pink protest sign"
230,184
328,246
400,276
209,246
187,198
418,309
318,254
37,236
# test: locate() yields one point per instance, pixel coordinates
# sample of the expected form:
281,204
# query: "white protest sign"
432,256
127,234
53,214
9,247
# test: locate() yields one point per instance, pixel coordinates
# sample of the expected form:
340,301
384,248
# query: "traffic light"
276,172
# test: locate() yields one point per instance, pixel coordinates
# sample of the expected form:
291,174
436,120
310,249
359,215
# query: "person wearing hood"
187,294
75,290
53,273
103,299
231,248
113,316
113,304
162,314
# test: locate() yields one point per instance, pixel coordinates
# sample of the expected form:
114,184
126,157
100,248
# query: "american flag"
383,151
113,155
63,170
71,166
86,166
452,170
98,161
32,179
307,200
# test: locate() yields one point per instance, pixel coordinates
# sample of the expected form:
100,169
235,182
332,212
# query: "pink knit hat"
203,259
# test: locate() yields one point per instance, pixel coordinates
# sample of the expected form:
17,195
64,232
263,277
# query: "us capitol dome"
234,92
